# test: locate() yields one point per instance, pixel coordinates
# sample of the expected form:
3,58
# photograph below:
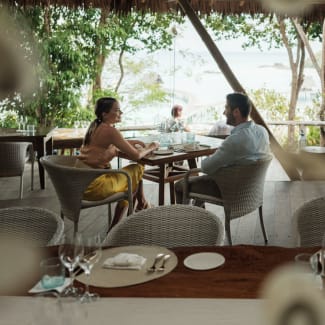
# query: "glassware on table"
92,254
52,273
70,253
22,123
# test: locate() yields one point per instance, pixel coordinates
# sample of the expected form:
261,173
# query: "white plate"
204,261
163,152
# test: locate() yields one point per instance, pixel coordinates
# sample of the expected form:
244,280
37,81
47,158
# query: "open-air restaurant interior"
106,217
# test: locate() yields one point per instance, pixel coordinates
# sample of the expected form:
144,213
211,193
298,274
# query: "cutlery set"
159,259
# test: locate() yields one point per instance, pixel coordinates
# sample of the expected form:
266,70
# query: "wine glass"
70,253
92,254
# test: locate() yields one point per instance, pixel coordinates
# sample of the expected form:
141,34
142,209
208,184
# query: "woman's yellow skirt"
109,184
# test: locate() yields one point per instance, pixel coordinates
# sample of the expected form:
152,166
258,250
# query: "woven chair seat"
71,182
241,189
14,156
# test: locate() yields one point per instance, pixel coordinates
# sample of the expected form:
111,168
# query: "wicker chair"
37,226
168,226
309,223
241,189
70,184
14,156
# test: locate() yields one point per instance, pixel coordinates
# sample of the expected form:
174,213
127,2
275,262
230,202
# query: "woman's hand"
154,145
137,143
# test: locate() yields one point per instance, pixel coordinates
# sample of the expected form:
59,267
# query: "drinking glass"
92,254
70,253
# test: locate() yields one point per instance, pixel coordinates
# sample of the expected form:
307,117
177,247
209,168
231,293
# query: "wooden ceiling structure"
193,8
315,12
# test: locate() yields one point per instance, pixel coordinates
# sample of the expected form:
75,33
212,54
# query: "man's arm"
224,156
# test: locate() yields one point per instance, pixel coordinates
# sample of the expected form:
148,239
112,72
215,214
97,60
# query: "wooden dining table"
241,276
41,140
164,169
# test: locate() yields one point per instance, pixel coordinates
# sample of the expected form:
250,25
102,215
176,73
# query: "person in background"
176,122
220,129
248,142
101,144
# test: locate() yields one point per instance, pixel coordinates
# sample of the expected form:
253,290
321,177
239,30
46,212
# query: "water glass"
165,139
31,128
53,274
190,137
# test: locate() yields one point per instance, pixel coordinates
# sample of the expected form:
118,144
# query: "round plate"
204,261
163,152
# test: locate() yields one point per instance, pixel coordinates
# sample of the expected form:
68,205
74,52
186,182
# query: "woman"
100,146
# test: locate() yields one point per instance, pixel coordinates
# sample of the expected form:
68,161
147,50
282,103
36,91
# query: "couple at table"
247,142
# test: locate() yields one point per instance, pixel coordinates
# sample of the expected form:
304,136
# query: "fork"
165,259
156,260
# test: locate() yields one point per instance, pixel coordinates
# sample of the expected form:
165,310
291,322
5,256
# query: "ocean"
192,78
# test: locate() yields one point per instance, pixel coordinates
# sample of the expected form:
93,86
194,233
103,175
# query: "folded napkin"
39,288
125,261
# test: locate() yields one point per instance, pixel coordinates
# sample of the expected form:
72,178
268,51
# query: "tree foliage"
70,41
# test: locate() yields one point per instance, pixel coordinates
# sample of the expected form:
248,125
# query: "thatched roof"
316,11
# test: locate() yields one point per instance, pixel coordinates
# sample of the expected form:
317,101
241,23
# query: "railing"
72,138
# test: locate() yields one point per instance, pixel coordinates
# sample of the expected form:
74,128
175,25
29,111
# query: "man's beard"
230,119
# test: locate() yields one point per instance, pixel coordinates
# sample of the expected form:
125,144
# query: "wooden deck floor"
281,198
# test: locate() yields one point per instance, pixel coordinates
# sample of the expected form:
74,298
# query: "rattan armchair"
70,184
36,226
241,189
309,223
168,226
14,156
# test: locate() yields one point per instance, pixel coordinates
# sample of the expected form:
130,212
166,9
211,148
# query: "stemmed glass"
70,253
22,123
92,254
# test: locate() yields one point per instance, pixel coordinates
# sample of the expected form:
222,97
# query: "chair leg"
260,212
75,227
109,215
32,176
21,187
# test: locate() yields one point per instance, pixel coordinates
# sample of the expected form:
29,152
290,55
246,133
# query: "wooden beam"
284,158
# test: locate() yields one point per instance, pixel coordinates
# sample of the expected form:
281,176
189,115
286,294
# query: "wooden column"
284,158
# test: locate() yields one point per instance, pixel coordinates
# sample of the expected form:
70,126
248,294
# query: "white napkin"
125,261
39,288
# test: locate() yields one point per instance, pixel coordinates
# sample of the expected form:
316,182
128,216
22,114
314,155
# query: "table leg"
192,163
172,192
161,199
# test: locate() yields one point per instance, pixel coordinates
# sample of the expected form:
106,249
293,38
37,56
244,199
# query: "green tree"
129,34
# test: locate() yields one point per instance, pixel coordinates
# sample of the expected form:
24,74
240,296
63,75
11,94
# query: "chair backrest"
309,223
39,227
13,158
242,187
168,226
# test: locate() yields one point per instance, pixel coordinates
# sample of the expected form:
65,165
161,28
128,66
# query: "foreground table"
241,276
126,311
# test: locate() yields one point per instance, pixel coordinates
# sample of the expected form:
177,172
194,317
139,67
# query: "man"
247,142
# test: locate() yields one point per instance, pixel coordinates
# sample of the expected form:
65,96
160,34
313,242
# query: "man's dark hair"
240,101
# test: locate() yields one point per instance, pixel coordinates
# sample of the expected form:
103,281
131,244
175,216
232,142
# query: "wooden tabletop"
242,275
